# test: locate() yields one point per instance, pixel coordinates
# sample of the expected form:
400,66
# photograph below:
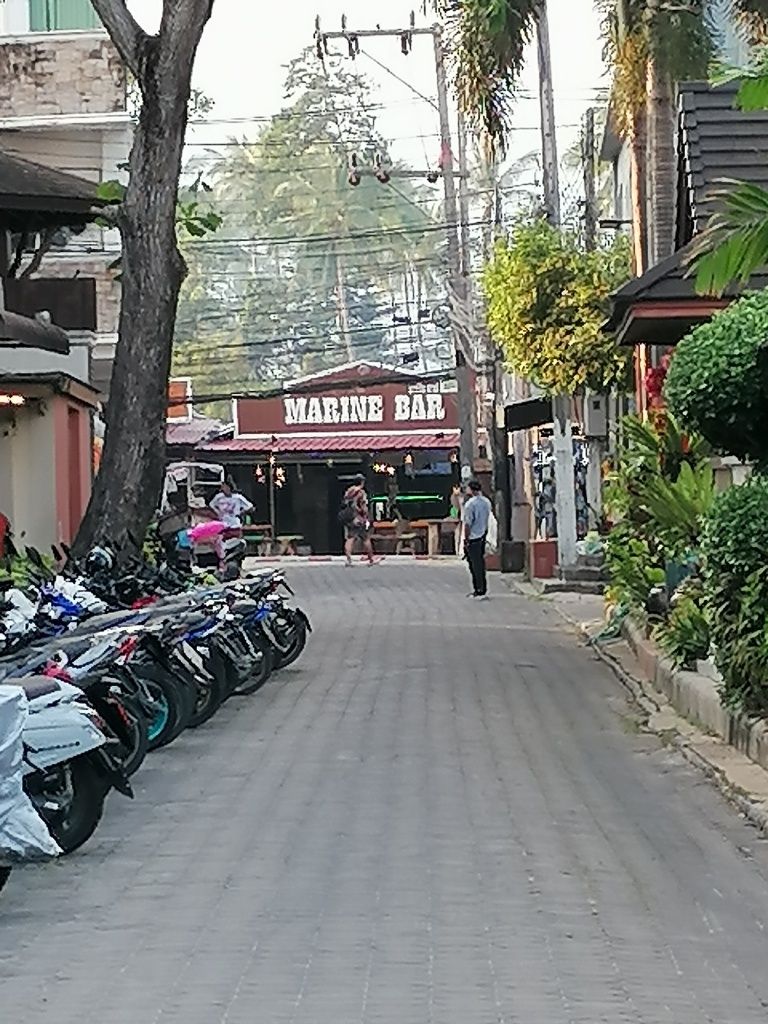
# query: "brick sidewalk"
445,814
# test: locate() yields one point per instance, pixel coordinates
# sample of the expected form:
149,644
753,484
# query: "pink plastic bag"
206,531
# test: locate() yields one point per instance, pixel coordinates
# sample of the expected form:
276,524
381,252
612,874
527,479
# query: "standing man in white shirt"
476,516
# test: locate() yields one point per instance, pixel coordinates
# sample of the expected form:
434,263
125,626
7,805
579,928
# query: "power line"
393,377
326,237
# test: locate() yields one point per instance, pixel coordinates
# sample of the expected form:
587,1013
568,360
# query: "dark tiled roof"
716,141
671,281
29,189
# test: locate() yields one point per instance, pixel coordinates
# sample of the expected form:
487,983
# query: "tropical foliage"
684,636
659,496
736,581
547,300
718,379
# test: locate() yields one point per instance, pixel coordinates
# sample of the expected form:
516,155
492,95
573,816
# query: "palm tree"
649,48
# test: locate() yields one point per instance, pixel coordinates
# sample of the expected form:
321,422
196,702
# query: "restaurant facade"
294,454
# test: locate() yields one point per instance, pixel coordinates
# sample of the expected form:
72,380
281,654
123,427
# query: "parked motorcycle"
66,768
23,834
118,659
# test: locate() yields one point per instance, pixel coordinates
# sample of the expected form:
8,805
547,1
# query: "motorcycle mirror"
35,557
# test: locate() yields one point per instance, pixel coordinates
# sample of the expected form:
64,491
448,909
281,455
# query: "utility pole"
596,444
464,239
588,170
562,440
465,381
462,335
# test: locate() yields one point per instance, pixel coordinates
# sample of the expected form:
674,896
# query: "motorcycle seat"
193,619
34,686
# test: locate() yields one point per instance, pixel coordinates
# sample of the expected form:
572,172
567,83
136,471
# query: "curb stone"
678,731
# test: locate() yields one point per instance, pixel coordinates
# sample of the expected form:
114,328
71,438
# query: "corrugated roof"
192,432
341,442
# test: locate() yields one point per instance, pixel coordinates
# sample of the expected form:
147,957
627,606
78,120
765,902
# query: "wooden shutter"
62,15
38,16
73,14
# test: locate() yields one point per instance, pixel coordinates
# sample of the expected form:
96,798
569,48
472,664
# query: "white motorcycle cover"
23,833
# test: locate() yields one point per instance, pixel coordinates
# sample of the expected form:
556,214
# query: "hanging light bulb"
382,171
354,174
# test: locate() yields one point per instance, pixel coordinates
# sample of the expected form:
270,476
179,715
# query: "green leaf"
735,245
111,191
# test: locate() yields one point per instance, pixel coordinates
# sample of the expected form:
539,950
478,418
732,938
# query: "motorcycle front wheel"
263,669
294,637
70,801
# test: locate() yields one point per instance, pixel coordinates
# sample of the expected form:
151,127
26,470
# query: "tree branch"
182,23
46,242
18,255
125,32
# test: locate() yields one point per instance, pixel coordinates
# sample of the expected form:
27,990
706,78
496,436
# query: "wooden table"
287,543
429,527
259,534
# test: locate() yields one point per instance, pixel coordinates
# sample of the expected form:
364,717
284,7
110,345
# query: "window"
61,15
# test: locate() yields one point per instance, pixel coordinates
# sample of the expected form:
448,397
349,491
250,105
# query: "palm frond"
487,41
735,243
753,17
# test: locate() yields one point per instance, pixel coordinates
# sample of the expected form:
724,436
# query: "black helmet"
98,561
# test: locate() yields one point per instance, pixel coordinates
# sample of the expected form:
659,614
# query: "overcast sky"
244,49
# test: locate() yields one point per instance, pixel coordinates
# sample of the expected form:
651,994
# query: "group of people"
472,511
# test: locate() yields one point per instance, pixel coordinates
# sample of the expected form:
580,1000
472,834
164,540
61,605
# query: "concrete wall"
44,488
31,360
28,473
73,465
60,73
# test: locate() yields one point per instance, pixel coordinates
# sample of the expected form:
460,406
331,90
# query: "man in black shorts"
359,528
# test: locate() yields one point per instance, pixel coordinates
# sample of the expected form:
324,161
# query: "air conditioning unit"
595,415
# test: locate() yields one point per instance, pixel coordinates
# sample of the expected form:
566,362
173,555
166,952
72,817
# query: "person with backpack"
353,516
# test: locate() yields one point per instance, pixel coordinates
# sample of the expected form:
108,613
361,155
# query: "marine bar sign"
395,406
367,410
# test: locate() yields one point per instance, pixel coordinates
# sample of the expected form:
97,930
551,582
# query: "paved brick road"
444,815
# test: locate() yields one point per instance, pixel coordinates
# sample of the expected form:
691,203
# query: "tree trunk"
128,485
637,157
661,164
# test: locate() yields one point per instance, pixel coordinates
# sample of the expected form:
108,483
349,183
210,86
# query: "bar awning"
529,413
341,441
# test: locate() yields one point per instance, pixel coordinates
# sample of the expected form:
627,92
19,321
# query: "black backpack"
347,512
